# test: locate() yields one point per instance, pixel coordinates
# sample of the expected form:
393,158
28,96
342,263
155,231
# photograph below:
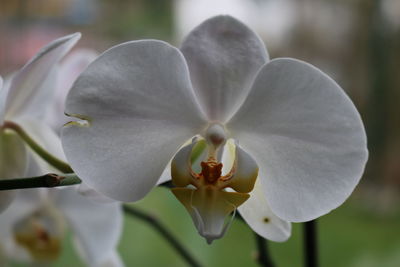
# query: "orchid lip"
205,194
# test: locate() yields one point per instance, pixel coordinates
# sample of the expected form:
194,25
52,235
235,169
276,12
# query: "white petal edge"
27,83
223,56
138,99
113,260
97,227
258,215
69,70
307,137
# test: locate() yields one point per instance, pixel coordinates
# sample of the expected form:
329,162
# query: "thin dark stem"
162,230
310,244
263,256
47,180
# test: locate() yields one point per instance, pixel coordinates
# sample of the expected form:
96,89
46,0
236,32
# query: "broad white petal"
223,56
140,108
258,215
97,227
69,70
307,137
26,88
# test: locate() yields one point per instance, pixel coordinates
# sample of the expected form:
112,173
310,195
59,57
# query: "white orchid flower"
300,135
24,100
32,229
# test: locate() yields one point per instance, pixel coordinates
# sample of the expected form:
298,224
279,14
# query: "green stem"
47,180
52,160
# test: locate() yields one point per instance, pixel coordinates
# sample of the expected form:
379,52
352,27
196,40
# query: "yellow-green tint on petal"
13,156
181,166
209,208
83,121
41,234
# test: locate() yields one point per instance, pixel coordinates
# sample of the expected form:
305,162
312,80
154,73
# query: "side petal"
26,85
13,162
140,108
307,137
96,227
69,70
258,215
223,56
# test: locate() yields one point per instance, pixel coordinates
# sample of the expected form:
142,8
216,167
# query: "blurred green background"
357,42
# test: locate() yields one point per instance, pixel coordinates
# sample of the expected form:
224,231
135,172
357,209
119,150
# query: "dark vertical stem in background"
263,256
163,231
310,244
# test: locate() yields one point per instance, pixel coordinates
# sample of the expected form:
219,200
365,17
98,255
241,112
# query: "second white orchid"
297,141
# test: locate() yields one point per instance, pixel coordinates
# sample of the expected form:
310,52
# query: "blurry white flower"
142,100
24,100
32,229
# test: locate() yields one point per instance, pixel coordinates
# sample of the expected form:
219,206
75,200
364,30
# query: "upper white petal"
97,227
307,137
223,56
26,87
139,102
258,215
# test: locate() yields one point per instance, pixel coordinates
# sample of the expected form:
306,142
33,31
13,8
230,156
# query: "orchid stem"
263,256
310,244
157,225
49,158
47,180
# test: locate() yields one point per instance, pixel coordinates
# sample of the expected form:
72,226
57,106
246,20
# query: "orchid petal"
26,87
223,56
132,97
96,227
181,167
93,195
69,70
24,203
246,172
307,137
258,215
13,162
